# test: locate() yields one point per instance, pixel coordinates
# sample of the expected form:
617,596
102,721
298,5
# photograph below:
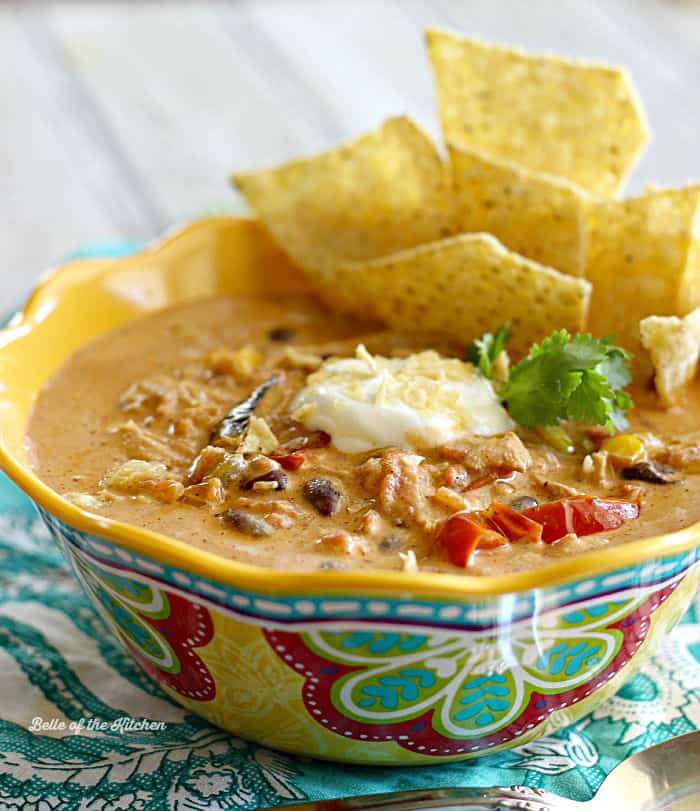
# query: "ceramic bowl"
378,667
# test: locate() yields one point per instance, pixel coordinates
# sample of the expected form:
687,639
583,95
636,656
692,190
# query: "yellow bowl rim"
257,578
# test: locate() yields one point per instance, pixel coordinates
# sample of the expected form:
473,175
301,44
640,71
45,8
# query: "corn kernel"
624,449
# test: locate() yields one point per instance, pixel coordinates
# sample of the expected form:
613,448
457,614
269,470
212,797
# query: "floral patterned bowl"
378,667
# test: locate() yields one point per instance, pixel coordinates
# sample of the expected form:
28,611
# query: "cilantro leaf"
566,377
484,351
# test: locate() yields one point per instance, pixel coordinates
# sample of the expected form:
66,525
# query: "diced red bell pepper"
465,532
514,525
289,461
582,515
460,535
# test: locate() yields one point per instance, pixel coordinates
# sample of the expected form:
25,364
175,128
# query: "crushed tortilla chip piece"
539,216
240,362
138,477
577,120
464,286
642,261
134,472
674,346
87,501
381,193
258,437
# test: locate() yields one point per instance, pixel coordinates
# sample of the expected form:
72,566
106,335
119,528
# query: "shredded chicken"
142,443
274,505
456,477
597,467
137,477
210,458
502,489
632,492
557,489
278,513
544,461
372,524
168,491
655,447
684,454
479,454
209,493
340,542
170,400
399,484
280,520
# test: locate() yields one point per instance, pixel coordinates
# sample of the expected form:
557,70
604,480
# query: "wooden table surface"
119,119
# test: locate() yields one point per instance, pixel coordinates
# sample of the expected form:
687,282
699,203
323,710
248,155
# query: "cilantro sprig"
485,350
565,377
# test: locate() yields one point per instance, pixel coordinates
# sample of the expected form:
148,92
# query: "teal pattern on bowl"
436,679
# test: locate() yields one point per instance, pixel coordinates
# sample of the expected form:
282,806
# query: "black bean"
246,523
323,495
332,565
281,334
520,503
279,477
653,472
391,543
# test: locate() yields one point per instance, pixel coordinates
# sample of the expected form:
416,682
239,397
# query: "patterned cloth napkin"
81,727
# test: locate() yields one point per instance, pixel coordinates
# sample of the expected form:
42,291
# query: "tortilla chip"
467,285
384,192
576,120
642,260
674,346
536,215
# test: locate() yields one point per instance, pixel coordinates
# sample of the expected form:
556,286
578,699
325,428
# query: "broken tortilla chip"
536,215
384,192
674,346
464,286
577,120
642,261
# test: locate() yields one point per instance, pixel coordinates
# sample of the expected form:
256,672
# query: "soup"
352,446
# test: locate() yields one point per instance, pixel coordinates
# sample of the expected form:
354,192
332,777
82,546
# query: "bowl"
364,667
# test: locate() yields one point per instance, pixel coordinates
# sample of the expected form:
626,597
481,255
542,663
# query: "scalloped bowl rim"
243,575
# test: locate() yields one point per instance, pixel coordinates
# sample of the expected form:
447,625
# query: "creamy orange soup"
127,429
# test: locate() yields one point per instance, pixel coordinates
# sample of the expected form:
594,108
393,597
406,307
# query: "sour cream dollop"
370,401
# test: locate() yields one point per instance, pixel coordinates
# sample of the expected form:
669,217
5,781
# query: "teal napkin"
81,727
